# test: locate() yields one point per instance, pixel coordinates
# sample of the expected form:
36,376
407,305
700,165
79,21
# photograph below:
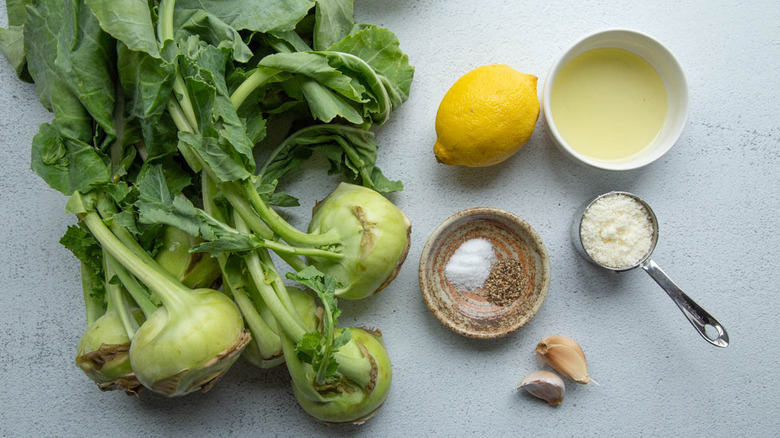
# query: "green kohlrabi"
191,340
374,235
161,108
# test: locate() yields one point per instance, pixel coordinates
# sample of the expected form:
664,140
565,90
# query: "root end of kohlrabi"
190,380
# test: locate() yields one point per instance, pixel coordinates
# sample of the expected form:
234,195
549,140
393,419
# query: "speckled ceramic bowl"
468,312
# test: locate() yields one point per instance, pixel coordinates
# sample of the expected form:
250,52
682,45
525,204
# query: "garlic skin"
545,385
565,356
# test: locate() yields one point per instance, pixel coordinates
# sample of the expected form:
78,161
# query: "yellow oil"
608,103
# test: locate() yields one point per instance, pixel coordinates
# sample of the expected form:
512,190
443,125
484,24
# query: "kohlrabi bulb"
374,239
349,402
103,353
188,345
194,270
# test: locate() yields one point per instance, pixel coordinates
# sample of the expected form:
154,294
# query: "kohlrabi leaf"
176,179
12,47
86,63
66,164
348,149
326,90
223,162
222,238
333,21
223,136
17,11
264,16
315,66
85,247
316,348
130,23
45,22
380,49
78,240
12,39
147,83
157,205
215,32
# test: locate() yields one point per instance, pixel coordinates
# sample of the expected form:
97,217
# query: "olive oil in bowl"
609,104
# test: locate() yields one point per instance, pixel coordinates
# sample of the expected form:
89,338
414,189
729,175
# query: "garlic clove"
545,385
565,356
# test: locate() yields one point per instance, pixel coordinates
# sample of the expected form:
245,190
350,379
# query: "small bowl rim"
621,165
425,261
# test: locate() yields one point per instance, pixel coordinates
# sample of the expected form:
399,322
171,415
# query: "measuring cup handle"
698,317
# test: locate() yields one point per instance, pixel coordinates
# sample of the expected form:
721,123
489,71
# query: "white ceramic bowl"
666,65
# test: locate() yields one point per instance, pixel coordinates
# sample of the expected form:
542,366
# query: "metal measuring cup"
697,316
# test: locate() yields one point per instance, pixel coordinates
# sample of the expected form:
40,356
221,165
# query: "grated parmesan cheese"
616,231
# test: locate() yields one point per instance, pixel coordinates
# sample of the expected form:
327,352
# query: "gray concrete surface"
715,194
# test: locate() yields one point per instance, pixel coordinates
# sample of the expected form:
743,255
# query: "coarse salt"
616,231
469,266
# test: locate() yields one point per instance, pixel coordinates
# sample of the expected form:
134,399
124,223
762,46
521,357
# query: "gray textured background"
716,195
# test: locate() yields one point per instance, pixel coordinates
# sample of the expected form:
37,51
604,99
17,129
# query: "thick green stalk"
356,369
284,319
129,241
278,285
297,372
250,84
254,222
305,252
165,21
93,306
284,229
172,293
328,329
265,337
115,300
139,294
180,120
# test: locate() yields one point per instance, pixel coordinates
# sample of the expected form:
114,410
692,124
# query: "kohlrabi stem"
165,21
356,369
261,332
284,229
180,91
296,370
242,207
139,294
165,32
179,119
284,319
255,223
328,329
94,307
270,271
267,340
306,252
278,285
115,300
171,293
250,84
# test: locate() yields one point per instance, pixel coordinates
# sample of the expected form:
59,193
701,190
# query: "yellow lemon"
487,116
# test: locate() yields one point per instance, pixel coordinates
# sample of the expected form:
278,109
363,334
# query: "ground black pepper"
506,282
